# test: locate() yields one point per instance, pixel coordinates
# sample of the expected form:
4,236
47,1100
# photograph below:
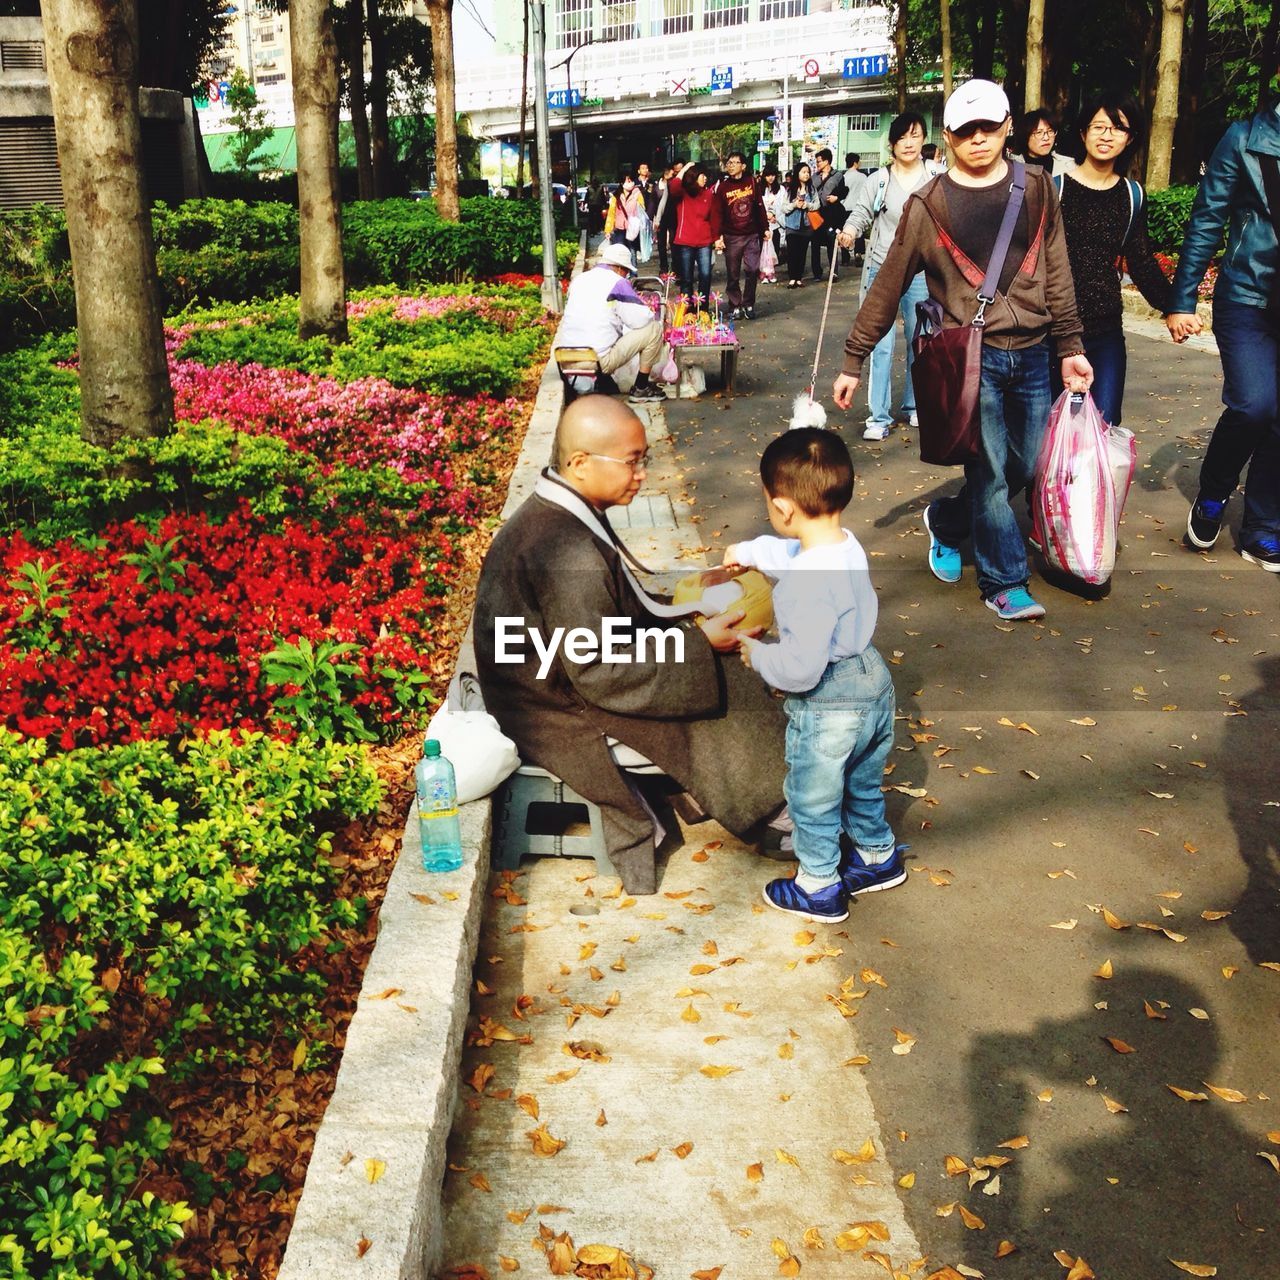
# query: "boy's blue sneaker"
944,561
1263,550
858,877
826,906
1014,604
1204,521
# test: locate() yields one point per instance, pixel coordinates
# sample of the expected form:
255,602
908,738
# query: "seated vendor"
603,311
688,704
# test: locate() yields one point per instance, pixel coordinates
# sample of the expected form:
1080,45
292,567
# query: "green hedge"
1168,213
211,251
144,888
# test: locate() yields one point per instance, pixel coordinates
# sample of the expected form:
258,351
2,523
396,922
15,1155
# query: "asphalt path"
1092,806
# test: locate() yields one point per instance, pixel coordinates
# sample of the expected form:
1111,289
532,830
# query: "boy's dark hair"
929,151
852,158
812,467
824,154
736,155
1114,105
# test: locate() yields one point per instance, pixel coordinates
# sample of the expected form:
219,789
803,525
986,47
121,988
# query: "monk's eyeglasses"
636,464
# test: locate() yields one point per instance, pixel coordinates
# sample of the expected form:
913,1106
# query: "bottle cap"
431,749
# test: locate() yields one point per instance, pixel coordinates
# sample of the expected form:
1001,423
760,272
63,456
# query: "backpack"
1137,199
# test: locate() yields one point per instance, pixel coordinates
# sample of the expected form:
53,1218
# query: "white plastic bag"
1122,449
481,754
693,382
1074,512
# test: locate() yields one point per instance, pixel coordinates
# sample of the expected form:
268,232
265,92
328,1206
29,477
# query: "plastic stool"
531,798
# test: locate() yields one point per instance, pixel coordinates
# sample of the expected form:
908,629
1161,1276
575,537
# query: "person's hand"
1183,325
720,245
1077,373
833,199
731,560
845,385
845,239
744,649
720,632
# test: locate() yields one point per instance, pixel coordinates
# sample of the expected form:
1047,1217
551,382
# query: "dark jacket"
833,215
708,722
1232,191
1041,300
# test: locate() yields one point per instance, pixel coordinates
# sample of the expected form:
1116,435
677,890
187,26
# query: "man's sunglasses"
966,131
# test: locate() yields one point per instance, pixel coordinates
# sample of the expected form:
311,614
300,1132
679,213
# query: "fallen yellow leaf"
804,937
755,1172
1119,1045
1195,1268
1271,1159
374,1169
1186,1094
543,1142
690,1014
785,1157
1005,1248
649,1159
716,1073
1113,1106
1227,1095
908,1180
971,1220
812,1239
528,1104
1016,1144
1081,1270
1105,970
480,1182
851,1240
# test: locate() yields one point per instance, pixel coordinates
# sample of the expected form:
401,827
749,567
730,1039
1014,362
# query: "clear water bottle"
438,810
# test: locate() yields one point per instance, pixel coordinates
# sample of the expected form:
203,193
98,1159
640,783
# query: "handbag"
815,219
947,372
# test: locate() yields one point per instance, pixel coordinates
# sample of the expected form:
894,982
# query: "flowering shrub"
1168,263
161,633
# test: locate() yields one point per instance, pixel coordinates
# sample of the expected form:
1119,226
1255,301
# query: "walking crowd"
1013,252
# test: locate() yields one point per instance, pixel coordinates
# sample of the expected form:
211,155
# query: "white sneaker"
913,420
873,432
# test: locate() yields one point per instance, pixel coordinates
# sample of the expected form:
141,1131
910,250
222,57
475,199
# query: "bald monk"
556,564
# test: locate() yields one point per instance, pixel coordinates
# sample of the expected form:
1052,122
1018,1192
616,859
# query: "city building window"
724,13
619,21
783,9
275,78
573,23
864,124
677,17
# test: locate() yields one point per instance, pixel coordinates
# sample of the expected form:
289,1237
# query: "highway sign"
720,79
561,98
866,65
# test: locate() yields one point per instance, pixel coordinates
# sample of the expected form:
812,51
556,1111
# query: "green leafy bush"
140,886
1168,213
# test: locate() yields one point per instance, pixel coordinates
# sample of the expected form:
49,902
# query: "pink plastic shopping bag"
1074,514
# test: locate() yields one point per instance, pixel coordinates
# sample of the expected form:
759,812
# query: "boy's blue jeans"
839,736
1015,411
880,365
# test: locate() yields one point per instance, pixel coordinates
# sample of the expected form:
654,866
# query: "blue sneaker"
1014,604
1204,522
826,906
1263,550
858,877
944,561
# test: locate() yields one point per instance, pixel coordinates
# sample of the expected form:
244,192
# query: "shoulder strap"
1058,179
882,193
1271,185
1136,200
1004,238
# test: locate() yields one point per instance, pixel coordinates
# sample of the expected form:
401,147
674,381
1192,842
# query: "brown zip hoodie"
1041,300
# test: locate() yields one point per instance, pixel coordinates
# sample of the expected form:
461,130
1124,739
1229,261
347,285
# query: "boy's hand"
744,649
845,385
731,560
719,630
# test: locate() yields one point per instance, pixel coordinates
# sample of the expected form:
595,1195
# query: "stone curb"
394,1097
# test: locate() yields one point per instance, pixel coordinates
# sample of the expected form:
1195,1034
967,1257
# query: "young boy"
840,696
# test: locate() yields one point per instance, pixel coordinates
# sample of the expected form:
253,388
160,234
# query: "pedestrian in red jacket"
697,228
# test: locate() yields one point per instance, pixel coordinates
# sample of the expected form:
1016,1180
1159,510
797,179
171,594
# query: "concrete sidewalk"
1092,805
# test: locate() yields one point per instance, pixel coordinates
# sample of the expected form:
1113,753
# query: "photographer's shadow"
1160,1178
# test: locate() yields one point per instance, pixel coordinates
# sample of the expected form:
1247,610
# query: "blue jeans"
1250,424
688,259
1015,403
1110,359
839,736
880,366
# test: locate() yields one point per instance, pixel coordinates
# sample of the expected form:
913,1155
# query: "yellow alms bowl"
756,595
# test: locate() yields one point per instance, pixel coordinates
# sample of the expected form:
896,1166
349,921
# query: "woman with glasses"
1032,141
1104,216
799,200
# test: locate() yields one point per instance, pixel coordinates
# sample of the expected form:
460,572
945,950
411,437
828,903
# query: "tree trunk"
1186,146
524,104
351,32
1169,74
322,306
982,28
92,55
380,136
441,14
946,48
1270,48
1035,55
1013,41
900,54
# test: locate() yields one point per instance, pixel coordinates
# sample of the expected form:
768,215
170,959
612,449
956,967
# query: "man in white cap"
603,311
949,229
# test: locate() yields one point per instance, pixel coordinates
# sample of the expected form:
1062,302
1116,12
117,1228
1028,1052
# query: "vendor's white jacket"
600,307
